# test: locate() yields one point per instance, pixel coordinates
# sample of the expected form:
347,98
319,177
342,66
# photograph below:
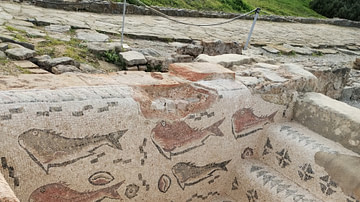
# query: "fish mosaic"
245,122
174,138
101,178
49,149
174,101
188,174
60,192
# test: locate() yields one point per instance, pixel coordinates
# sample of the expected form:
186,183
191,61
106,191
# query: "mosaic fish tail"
214,129
271,117
223,165
114,137
111,192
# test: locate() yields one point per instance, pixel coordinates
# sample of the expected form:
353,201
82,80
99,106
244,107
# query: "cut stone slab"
58,28
40,60
48,64
10,39
20,53
25,64
249,81
299,50
132,58
327,51
283,49
149,52
353,48
20,23
219,47
348,52
60,36
60,69
91,35
201,71
190,49
88,69
266,66
135,68
331,79
2,55
38,71
271,49
101,47
182,58
227,60
357,64
31,31
268,75
3,46
333,119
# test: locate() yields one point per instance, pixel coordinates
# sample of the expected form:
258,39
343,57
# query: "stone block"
133,58
2,55
25,64
48,64
86,68
333,119
357,64
38,71
3,46
219,47
20,53
271,49
60,69
201,71
102,47
331,79
182,58
91,35
191,49
227,60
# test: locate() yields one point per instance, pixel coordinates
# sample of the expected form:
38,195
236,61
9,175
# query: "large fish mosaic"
245,122
178,137
188,174
174,101
60,192
49,149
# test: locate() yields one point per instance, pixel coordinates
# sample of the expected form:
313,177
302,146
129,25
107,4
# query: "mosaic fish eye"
42,189
36,133
163,123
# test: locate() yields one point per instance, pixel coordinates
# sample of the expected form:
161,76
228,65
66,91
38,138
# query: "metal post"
123,23
257,11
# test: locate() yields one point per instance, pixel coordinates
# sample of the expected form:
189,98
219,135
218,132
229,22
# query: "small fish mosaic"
49,149
174,138
188,174
245,122
60,192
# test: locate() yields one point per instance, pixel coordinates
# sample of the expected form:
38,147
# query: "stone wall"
117,8
169,138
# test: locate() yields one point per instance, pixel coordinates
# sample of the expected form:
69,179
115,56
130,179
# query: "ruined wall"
174,141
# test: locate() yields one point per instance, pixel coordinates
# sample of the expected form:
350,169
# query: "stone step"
260,182
290,148
330,118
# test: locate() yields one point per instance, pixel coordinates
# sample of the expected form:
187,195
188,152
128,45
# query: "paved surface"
159,27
